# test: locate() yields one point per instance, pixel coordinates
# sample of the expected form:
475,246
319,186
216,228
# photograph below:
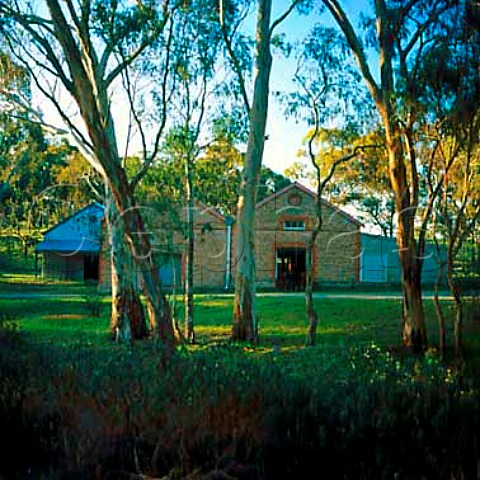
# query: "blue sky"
285,134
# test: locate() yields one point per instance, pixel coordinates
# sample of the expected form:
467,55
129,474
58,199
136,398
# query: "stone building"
283,226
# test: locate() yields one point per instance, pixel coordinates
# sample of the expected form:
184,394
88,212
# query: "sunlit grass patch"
343,322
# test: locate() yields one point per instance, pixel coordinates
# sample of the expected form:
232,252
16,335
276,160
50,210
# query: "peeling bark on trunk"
245,327
414,329
128,321
244,315
385,97
88,83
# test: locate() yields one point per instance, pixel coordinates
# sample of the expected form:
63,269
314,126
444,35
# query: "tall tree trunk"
457,298
385,97
245,327
442,335
311,312
189,318
414,329
128,321
88,79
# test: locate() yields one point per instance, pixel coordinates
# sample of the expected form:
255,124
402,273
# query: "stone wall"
336,257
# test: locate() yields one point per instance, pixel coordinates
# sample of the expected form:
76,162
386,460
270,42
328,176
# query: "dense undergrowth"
219,412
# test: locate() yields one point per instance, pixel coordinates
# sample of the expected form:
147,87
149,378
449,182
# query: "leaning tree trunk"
135,236
89,86
140,252
245,326
158,309
128,319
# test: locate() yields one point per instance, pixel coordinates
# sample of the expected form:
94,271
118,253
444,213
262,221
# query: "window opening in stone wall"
298,225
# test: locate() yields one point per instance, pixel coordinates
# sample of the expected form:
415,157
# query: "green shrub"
366,414
9,330
93,300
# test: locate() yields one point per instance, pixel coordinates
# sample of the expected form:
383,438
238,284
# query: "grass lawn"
60,311
59,314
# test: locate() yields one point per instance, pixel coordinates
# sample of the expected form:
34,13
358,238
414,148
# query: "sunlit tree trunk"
385,97
89,87
245,327
189,263
414,329
128,319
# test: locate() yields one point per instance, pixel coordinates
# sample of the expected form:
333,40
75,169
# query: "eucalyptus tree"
78,54
362,183
456,218
231,13
400,32
328,86
195,71
449,88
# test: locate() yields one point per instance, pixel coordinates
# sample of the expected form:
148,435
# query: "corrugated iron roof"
69,246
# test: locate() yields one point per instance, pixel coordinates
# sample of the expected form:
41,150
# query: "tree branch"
283,16
356,47
233,58
146,43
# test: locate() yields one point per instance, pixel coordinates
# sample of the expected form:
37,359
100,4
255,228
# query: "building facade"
283,227
77,248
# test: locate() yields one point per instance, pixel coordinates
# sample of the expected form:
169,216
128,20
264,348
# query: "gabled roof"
77,244
70,246
211,210
94,206
298,186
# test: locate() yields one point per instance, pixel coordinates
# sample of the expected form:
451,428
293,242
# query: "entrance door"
91,267
290,269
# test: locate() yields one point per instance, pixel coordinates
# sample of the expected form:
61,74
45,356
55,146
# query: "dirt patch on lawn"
66,316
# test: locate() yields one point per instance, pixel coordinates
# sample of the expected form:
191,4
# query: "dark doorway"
290,269
91,267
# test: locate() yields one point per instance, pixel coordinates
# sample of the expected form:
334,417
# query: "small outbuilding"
71,249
